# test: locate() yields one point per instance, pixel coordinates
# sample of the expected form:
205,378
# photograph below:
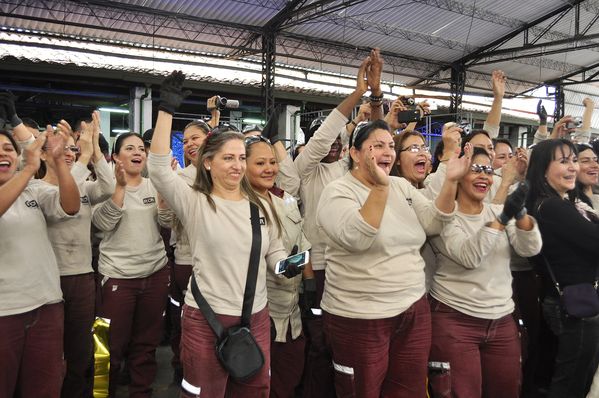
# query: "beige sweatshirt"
315,176
132,246
283,293
182,248
220,241
71,237
473,263
29,276
375,273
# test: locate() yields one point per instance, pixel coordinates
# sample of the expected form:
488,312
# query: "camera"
576,123
465,126
407,101
222,103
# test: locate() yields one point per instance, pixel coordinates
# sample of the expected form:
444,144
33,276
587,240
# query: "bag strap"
250,283
252,275
206,310
552,275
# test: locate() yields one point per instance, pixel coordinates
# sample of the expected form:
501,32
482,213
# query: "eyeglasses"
73,148
479,168
256,138
415,148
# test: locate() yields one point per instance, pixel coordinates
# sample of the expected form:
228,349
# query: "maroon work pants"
386,358
136,309
483,354
31,362
203,375
79,294
286,366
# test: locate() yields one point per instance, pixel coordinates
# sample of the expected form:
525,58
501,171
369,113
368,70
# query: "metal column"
268,72
458,80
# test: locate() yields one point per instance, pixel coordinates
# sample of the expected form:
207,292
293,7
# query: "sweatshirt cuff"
492,130
445,217
112,209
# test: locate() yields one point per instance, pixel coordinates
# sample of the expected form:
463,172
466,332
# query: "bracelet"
376,98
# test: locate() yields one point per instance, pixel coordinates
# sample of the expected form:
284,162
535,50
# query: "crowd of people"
471,273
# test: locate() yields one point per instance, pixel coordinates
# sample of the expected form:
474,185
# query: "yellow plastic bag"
101,357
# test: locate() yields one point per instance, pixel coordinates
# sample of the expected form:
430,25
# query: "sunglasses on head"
479,168
256,138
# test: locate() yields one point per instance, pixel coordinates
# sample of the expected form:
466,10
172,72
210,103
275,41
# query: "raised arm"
582,135
69,192
319,145
498,80
10,190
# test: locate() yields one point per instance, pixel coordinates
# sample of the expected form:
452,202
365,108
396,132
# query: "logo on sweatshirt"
31,203
84,199
409,200
149,200
262,221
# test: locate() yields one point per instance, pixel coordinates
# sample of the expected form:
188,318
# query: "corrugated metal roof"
436,31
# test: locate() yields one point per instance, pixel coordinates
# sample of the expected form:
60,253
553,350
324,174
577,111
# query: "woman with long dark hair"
570,232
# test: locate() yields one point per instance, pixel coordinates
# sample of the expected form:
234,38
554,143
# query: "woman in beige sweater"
287,347
376,316
216,215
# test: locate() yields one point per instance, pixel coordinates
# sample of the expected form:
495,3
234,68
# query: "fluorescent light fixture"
120,131
114,110
253,121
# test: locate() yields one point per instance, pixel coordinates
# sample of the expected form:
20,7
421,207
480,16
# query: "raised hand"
364,113
424,107
391,116
32,153
375,71
361,83
377,175
119,173
542,112
514,204
55,143
560,128
521,162
458,167
65,127
172,93
451,134
498,80
86,142
95,127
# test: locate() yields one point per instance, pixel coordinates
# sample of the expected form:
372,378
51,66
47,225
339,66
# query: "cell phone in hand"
299,260
410,116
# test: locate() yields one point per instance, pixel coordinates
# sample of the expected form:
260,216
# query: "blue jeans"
578,351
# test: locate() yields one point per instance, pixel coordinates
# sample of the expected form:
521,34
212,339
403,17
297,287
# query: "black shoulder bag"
580,300
236,348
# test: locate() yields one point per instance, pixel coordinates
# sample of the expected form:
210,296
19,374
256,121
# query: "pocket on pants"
344,381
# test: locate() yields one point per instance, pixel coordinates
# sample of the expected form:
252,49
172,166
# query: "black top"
570,244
